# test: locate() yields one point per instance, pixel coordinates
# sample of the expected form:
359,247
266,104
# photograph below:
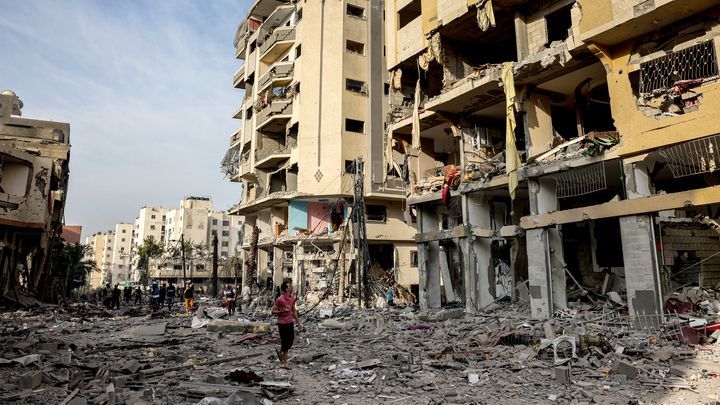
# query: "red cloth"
285,305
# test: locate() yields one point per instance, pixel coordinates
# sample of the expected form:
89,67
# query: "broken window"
352,125
376,213
355,47
694,63
559,24
350,166
355,11
413,258
409,13
15,176
355,86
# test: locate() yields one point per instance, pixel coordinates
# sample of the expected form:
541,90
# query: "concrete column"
557,263
483,287
422,276
637,181
541,299
432,272
446,278
277,275
642,276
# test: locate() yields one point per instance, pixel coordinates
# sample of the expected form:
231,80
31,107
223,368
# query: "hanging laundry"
512,159
485,15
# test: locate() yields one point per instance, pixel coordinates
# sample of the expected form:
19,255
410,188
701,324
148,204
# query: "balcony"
280,74
277,44
607,23
272,155
235,137
239,78
275,115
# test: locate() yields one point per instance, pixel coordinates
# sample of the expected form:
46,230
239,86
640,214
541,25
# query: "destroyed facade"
313,77
34,172
557,149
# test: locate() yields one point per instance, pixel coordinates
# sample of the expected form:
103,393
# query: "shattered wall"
34,158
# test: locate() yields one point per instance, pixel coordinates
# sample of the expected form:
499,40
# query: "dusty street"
79,353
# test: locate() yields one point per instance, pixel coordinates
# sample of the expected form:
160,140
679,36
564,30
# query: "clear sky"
146,87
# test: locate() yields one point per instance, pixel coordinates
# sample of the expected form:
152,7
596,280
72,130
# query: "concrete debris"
361,356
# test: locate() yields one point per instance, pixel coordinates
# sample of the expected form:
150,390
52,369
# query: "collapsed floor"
81,354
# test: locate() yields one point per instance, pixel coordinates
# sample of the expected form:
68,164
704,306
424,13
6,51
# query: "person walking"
127,294
170,296
138,295
285,309
189,297
230,294
163,292
155,296
116,297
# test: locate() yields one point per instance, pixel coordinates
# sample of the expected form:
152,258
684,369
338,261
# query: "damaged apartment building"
34,157
554,151
314,103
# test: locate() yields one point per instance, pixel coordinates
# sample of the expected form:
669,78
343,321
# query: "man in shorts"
285,309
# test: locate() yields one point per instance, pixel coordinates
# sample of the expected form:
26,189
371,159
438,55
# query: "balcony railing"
278,71
239,77
280,35
277,107
263,153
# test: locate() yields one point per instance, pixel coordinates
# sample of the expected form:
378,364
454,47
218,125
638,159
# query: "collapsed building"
34,158
556,150
314,103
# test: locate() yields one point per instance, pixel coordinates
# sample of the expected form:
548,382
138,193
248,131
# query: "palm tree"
149,249
69,264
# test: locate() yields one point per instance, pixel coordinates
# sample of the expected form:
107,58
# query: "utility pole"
182,255
215,267
363,253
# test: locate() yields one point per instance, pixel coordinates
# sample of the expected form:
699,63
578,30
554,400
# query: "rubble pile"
81,354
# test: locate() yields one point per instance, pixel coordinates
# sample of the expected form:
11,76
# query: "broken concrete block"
215,379
473,378
562,375
326,313
625,368
131,366
222,325
22,346
156,329
31,380
49,347
444,315
332,324
680,371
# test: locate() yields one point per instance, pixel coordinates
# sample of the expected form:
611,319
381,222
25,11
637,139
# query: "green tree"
149,249
70,265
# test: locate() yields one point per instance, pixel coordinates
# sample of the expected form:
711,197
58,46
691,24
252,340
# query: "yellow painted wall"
640,133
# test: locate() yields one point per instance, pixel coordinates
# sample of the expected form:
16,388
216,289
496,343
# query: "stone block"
562,375
625,368
222,325
49,347
31,380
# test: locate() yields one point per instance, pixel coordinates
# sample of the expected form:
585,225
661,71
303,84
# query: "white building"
121,253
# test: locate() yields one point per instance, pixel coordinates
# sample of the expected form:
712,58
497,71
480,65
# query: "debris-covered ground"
79,353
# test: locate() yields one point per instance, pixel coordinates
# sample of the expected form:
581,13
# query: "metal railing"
280,34
693,63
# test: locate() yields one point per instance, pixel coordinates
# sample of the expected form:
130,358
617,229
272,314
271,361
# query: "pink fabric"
285,305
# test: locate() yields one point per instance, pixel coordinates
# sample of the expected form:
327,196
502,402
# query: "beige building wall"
331,55
121,253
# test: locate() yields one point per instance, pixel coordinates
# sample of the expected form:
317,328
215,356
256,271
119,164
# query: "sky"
146,86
